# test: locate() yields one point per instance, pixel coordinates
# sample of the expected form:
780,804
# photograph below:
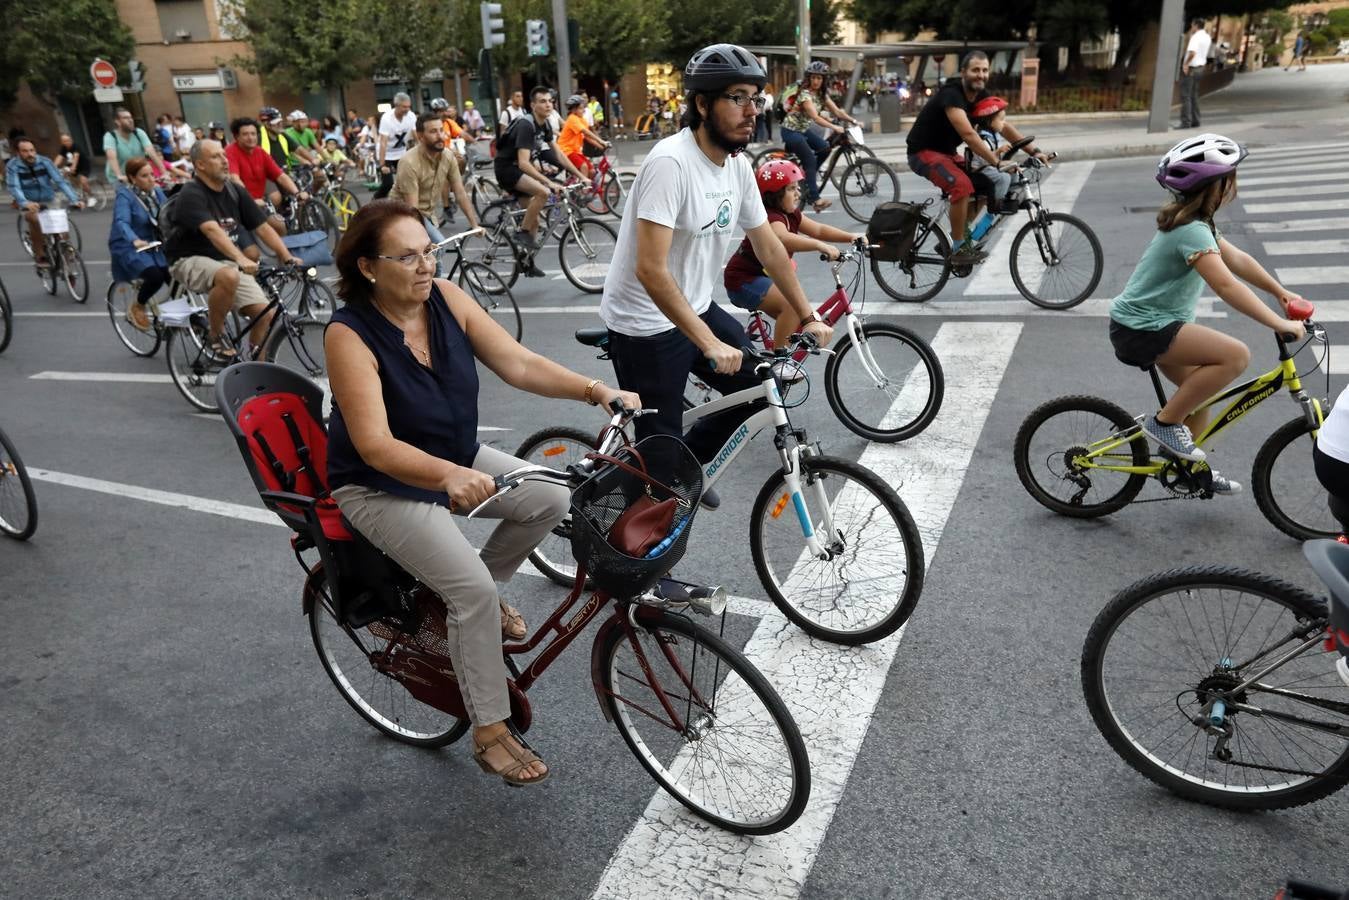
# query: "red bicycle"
699,717
882,380
609,188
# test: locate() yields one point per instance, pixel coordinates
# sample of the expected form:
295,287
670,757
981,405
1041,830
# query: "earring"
372,280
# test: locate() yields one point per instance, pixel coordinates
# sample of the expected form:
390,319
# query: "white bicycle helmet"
1197,161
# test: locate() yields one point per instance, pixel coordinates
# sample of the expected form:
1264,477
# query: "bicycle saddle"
593,337
1330,561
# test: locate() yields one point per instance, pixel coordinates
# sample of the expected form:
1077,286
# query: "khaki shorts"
197,273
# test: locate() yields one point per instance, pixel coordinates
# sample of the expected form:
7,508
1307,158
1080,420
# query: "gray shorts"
197,273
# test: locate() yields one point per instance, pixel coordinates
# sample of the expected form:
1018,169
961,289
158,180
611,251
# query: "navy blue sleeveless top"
434,410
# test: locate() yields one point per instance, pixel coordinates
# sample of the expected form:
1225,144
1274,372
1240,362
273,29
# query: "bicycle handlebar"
461,236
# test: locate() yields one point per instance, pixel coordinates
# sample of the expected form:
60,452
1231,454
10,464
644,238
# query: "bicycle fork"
864,352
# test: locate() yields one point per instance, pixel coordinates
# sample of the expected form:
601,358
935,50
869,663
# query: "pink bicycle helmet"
776,174
1197,161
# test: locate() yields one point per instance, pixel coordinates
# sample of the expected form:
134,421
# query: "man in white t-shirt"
396,138
692,192
183,137
1191,70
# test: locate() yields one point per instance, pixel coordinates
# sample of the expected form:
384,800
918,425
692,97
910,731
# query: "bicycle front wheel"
495,251
1167,647
191,366
297,344
315,216
352,657
586,253
922,271
871,576
25,236
1059,438
705,724
887,386
6,318
18,503
617,190
1285,485
1061,266
867,184
558,448
121,297
73,274
485,286
343,205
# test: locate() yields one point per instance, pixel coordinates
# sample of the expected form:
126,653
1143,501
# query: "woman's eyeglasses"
741,99
413,260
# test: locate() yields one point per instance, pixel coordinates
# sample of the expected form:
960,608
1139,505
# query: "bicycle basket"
892,228
597,504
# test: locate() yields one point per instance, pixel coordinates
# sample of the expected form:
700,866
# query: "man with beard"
426,175
692,192
941,126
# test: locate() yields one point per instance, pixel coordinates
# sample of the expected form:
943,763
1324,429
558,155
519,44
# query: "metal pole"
851,98
1170,29
802,37
562,46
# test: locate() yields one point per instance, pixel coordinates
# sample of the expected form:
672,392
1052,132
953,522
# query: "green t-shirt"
126,148
1165,287
305,138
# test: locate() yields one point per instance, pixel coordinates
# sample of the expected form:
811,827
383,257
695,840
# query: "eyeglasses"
741,100
413,260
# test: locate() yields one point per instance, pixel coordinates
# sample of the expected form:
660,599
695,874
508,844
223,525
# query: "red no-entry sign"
104,73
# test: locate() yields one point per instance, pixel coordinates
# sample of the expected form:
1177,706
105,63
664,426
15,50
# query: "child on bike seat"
780,184
1330,455
990,114
1152,321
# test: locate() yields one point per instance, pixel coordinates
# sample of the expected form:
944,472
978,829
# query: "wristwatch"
813,317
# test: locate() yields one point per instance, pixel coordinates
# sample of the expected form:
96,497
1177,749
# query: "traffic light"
536,37
492,25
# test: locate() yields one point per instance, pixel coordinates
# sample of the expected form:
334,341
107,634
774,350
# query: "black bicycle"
18,504
6,318
862,180
479,281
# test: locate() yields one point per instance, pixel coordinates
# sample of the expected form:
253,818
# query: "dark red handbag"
647,521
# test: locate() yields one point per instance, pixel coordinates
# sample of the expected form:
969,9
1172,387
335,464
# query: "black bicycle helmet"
722,65
818,68
268,113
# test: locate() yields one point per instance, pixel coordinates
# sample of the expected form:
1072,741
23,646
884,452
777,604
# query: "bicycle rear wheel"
856,152
867,184
73,274
1061,266
586,252
1057,434
18,503
886,387
297,344
1165,648
315,216
6,318
350,657
343,204
617,191
920,273
25,238
485,286
120,298
496,251
192,368
1285,485
76,239
557,448
869,584
722,743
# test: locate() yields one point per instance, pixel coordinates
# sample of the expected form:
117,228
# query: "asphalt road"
169,731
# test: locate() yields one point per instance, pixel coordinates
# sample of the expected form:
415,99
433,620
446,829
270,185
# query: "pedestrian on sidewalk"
1191,70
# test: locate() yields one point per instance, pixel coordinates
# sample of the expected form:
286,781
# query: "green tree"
950,19
618,34
50,46
824,21
702,22
301,51
1067,23
413,37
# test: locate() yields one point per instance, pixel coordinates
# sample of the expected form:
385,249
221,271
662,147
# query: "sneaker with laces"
1224,485
1175,439
967,255
789,371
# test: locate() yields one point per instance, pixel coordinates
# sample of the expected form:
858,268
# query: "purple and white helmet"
1196,161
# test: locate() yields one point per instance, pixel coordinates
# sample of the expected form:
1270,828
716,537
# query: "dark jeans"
812,150
657,367
1189,100
386,181
152,279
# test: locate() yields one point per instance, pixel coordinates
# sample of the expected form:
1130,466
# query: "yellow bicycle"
1086,457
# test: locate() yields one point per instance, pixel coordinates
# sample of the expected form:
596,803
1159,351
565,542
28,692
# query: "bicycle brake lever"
502,490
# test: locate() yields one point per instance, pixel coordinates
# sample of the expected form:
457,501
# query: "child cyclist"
989,115
747,286
1152,321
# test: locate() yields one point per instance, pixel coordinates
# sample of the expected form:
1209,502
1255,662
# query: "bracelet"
590,390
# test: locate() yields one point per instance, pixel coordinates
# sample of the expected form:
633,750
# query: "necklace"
425,353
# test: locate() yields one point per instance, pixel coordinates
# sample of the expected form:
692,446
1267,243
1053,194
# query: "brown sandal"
514,757
513,625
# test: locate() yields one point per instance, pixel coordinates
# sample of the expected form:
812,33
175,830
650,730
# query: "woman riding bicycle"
1152,321
747,285
403,452
135,224
804,102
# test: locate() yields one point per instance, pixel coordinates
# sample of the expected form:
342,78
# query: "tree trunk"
334,93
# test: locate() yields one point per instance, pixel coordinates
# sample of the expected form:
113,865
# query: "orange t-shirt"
451,128
573,134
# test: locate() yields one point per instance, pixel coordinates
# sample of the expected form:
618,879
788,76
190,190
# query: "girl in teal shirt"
1152,321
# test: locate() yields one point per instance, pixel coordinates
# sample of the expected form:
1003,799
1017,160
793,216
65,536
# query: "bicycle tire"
596,203
191,368
1303,522
343,204
895,375
484,285
1288,609
120,296
47,274
76,239
679,757
851,572
926,266
25,237
868,183
1027,459
297,344
590,244
316,216
1073,294
74,275
617,191
346,642
6,318
14,479
485,193
859,151
556,447
497,251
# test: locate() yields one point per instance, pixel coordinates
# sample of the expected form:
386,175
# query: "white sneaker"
789,371
1175,439
1224,485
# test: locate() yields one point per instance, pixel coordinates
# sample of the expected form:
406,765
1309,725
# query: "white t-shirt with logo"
1197,51
680,188
399,132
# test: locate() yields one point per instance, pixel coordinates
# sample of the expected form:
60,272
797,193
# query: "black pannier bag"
891,229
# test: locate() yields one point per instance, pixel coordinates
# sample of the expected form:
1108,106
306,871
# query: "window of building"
183,20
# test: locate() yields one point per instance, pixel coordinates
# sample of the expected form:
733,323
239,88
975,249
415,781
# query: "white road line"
1332,311
163,498
1338,365
1059,192
1280,149
29,265
1257,209
832,690
1098,307
1312,178
1298,248
1296,191
103,314
1338,223
1265,162
118,377
1312,274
